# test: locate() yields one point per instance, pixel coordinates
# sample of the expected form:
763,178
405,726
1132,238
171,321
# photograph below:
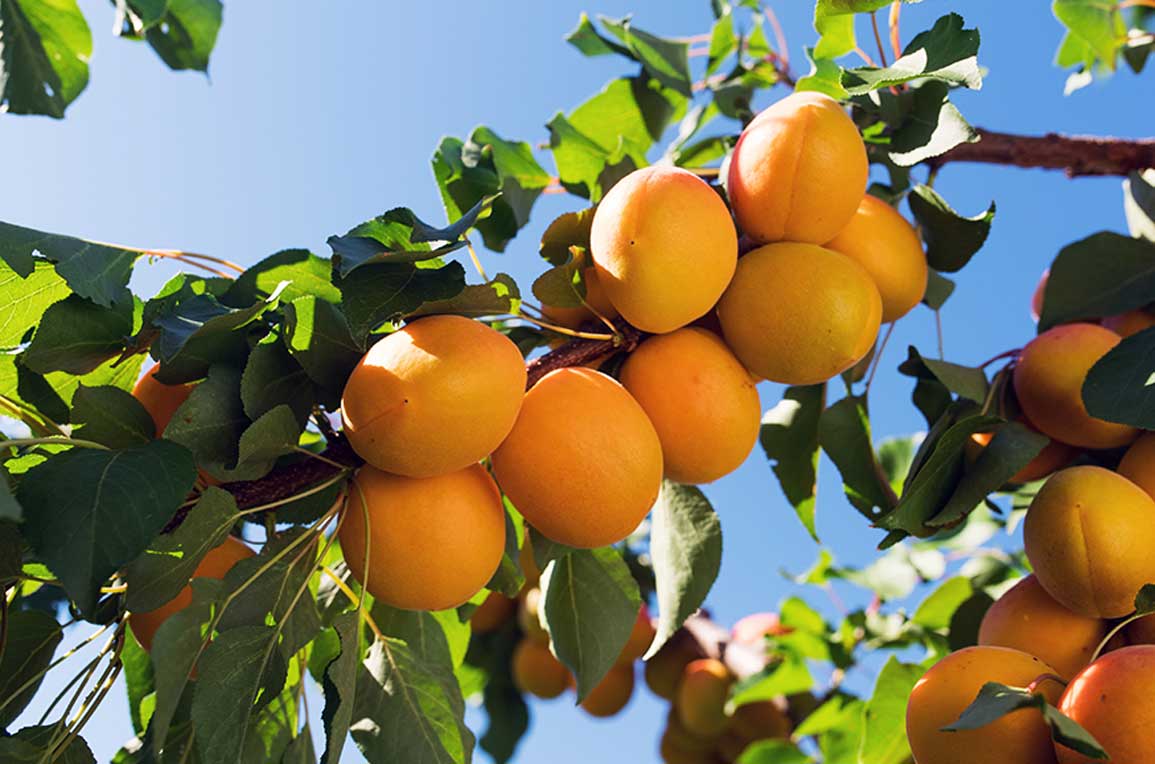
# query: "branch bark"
1074,154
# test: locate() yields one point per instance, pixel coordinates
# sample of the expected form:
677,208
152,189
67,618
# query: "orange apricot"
160,400
1048,380
677,746
640,637
664,247
433,542
1054,456
1026,618
798,171
760,720
701,697
609,696
1140,631
952,684
881,240
1089,533
528,564
529,616
537,671
664,670
701,400
492,613
583,464
434,397
1138,464
799,313
1111,699
1131,322
595,300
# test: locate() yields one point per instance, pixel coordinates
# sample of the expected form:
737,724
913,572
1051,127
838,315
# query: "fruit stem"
1111,634
353,598
878,37
564,330
476,260
876,361
895,37
1013,353
1034,685
62,440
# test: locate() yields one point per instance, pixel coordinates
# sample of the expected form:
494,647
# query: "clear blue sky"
316,119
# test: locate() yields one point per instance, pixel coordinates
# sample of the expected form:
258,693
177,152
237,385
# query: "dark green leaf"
933,126
884,736
1139,204
318,336
24,300
33,745
339,686
33,636
375,294
1101,275
504,705
1011,449
844,434
1145,600
111,416
964,381
946,52
303,273
789,437
938,289
76,335
99,272
951,239
498,297
1118,387
569,230
188,33
273,378
44,50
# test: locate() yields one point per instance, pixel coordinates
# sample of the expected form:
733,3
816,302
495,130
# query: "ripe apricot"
760,720
610,696
664,247
529,617
215,564
1048,381
640,638
701,697
160,400
492,613
754,628
1140,631
664,670
433,542
537,671
799,313
583,464
1111,699
702,401
1054,456
1026,618
881,240
434,397
1089,533
1131,322
952,684
1138,464
798,171
596,300
676,746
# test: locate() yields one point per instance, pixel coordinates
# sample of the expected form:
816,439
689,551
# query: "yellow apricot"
1111,699
537,671
1054,456
952,684
596,300
664,247
160,400
433,542
609,696
1089,533
664,670
583,464
701,400
1048,381
1026,618
800,313
529,617
640,638
1131,322
701,697
1138,464
798,171
880,240
434,397
215,564
492,613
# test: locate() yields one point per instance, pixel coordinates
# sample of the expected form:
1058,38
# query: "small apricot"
1131,322
537,671
664,670
701,697
609,696
491,614
1111,699
160,400
760,720
1138,464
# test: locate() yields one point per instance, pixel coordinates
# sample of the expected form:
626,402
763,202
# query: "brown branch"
578,352
1075,155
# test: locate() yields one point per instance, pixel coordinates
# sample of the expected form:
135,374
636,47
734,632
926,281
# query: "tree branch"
1076,155
578,352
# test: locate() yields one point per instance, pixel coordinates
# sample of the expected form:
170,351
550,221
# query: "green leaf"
951,239
111,416
844,434
946,53
686,547
1145,600
571,229
33,745
964,381
438,638
938,290
375,294
188,33
825,76
32,638
303,273
1101,275
1012,448
164,569
666,60
273,378
936,611
339,685
591,605
1098,29
723,41
1139,204
789,436
99,272
76,335
509,579
24,300
318,336
504,705
788,676
300,750
773,752
87,512
138,683
1118,387
932,127
884,735
835,28
498,297
585,37
44,50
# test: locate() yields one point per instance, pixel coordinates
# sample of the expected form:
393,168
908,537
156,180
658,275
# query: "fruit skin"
798,171
1131,322
1111,699
881,240
596,298
1026,618
1141,631
537,671
800,313
529,617
1089,534
664,670
751,722
701,697
1037,297
640,638
583,463
754,628
609,696
160,400
434,397
701,400
215,564
1048,381
1138,464
1055,455
434,542
664,247
492,613
952,684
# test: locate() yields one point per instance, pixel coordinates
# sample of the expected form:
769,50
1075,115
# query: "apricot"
528,564
160,400
216,563
492,613
679,747
583,464
754,628
595,300
640,638
1138,464
701,697
1111,699
609,696
433,542
1140,631
798,171
664,670
537,671
952,684
701,400
760,720
1026,618
664,247
1048,380
881,240
1054,456
1037,297
529,617
1089,533
434,397
1131,322
800,313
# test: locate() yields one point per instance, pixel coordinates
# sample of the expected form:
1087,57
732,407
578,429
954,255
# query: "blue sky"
314,121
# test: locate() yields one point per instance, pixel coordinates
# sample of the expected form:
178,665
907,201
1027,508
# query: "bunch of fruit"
1089,536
